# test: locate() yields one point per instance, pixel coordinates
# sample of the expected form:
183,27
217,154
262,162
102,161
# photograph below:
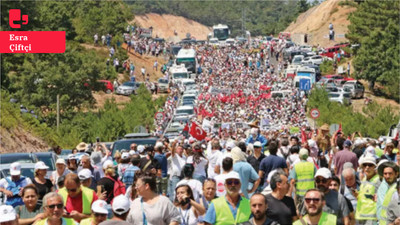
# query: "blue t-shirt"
270,163
163,162
246,173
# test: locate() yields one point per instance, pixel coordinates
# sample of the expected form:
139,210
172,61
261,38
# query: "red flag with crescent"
197,132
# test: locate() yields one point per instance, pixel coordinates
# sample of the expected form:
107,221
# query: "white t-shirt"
188,217
220,180
177,164
199,168
195,185
213,157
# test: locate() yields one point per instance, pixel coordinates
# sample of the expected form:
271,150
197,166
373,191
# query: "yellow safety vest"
325,219
86,221
385,204
224,215
87,198
366,206
305,177
67,220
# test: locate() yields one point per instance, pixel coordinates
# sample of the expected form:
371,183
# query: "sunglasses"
100,215
230,182
323,180
368,165
309,200
72,190
59,206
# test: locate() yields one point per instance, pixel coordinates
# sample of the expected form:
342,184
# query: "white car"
316,60
343,98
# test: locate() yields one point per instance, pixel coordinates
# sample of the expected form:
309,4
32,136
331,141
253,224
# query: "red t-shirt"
76,203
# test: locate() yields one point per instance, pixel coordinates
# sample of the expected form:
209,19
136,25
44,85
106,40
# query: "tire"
108,91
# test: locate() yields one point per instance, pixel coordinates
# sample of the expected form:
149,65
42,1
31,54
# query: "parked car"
137,138
341,97
127,88
356,88
163,85
18,157
27,169
49,158
297,59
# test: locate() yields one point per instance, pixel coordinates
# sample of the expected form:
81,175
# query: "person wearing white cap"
8,215
61,170
11,186
72,163
99,213
366,206
219,211
120,207
335,202
53,206
85,176
123,163
96,172
42,184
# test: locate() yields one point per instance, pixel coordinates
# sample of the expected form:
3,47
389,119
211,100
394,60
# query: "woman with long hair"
188,208
30,212
152,208
42,184
199,162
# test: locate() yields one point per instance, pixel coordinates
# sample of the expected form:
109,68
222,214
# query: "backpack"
119,187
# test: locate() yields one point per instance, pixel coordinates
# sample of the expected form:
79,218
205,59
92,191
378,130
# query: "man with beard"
314,202
335,202
258,205
231,208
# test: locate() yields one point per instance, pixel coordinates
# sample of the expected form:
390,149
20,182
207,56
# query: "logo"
15,16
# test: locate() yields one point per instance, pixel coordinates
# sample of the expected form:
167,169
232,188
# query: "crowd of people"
261,173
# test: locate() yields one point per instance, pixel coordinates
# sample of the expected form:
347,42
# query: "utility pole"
58,111
243,21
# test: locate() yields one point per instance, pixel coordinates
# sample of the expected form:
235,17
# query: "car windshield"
22,158
130,84
184,111
333,95
180,75
346,95
48,160
163,81
119,145
26,172
348,87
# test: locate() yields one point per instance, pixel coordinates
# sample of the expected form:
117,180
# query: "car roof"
184,107
137,135
23,165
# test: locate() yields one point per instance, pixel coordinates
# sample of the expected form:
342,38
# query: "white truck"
305,78
188,57
178,72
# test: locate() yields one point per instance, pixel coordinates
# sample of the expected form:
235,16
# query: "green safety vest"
67,220
366,206
385,204
378,152
86,221
87,198
224,215
305,177
325,219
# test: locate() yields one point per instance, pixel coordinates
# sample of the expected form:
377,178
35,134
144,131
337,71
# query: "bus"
188,58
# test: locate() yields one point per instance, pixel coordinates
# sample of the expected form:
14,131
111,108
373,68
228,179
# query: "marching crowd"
262,173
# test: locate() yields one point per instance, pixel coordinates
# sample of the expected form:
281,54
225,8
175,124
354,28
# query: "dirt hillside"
20,140
164,26
315,23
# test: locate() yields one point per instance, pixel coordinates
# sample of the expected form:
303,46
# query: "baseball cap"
71,156
100,206
7,213
303,153
15,169
132,152
85,174
257,144
230,144
368,159
125,155
232,175
120,205
347,143
323,172
140,148
40,166
108,163
60,161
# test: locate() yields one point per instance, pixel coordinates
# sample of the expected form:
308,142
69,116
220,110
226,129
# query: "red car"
339,80
104,85
328,52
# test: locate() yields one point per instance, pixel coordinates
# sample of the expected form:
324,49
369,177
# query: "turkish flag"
197,132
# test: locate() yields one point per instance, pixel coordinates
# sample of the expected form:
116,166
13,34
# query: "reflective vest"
325,219
67,220
224,215
366,206
87,221
385,204
87,198
305,177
